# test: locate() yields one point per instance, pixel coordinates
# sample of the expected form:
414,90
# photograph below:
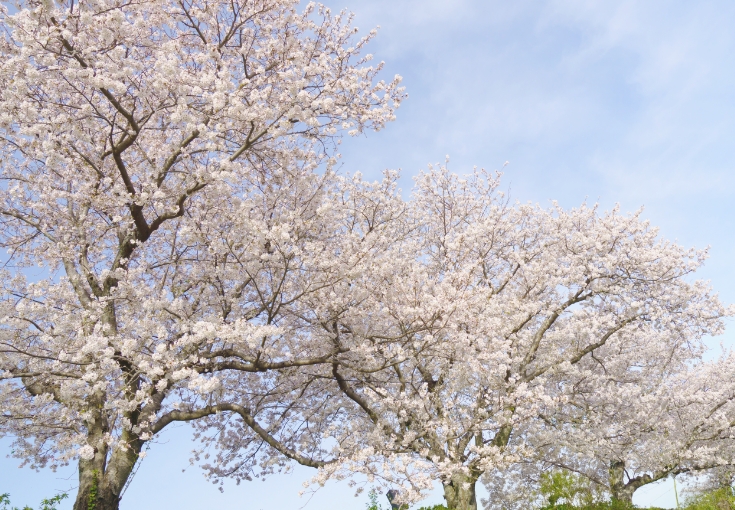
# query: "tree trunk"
618,488
101,481
460,493
95,494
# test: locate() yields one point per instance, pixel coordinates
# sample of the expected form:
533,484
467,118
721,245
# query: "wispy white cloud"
630,91
616,101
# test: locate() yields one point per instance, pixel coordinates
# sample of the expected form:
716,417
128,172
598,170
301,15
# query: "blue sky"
613,102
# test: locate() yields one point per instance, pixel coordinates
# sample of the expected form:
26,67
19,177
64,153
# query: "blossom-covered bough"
674,419
510,314
489,338
625,433
180,248
162,216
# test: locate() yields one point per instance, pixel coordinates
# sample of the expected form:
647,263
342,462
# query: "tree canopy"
180,247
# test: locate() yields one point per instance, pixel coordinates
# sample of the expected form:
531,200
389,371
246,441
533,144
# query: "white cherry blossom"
158,161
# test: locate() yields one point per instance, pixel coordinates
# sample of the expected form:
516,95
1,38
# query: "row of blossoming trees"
180,248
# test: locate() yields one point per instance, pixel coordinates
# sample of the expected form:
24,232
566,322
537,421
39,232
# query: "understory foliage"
46,504
561,488
564,490
373,501
718,499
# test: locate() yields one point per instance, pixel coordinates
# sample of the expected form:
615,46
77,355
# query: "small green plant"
720,499
372,503
50,504
46,504
92,498
435,507
564,490
5,501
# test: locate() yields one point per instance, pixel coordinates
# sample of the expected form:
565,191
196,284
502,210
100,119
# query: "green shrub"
565,490
600,505
46,504
720,499
372,503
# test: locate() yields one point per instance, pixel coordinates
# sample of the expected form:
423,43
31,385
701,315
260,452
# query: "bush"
373,501
564,490
46,504
602,505
720,499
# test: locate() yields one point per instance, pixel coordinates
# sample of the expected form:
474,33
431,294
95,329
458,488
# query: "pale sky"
613,102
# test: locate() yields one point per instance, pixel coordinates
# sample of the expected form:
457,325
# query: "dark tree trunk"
620,491
96,495
460,494
101,480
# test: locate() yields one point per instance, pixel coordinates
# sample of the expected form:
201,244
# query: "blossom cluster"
180,248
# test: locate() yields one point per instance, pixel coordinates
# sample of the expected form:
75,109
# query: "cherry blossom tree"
626,433
181,249
163,218
503,310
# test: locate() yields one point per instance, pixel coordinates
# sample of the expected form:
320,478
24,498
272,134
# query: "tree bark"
618,488
94,493
102,480
460,494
